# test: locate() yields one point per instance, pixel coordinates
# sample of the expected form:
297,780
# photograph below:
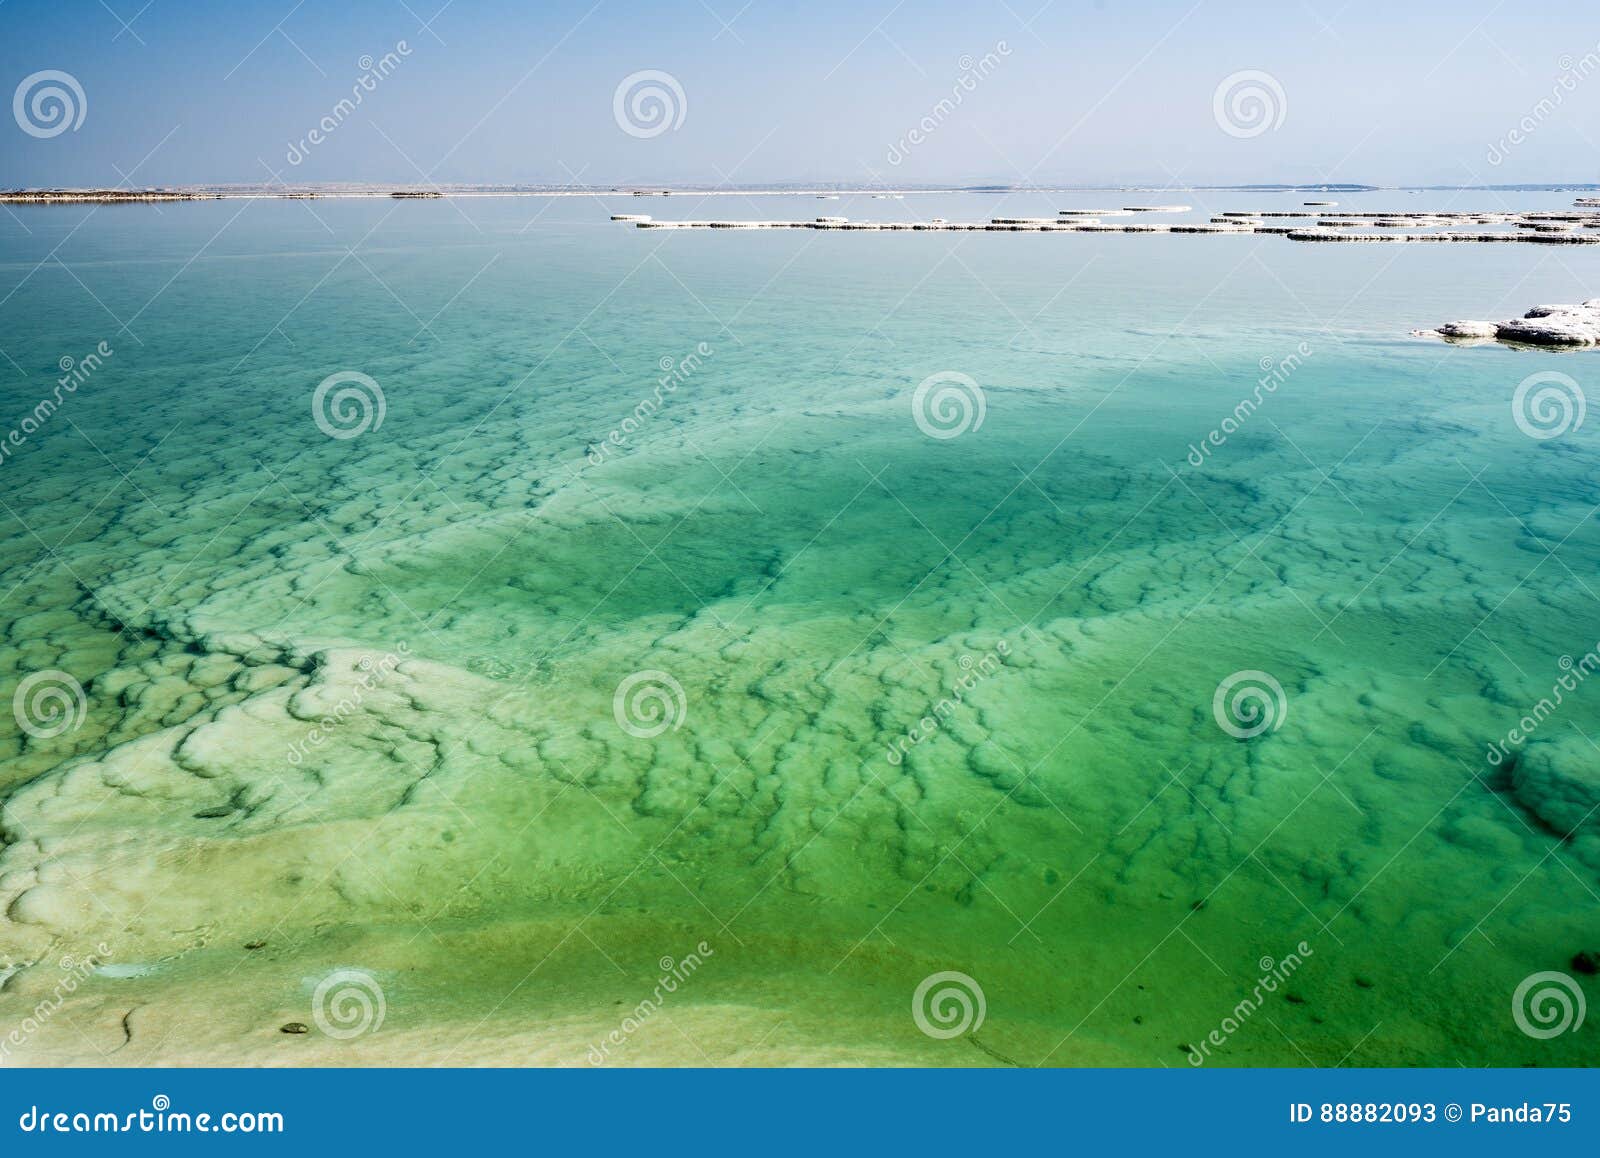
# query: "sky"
871,91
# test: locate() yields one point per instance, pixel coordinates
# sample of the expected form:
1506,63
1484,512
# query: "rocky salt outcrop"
1557,325
1468,329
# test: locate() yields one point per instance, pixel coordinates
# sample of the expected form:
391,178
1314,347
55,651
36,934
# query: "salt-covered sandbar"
105,196
59,196
337,189
1559,325
1534,227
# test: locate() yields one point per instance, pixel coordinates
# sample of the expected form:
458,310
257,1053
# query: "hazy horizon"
177,93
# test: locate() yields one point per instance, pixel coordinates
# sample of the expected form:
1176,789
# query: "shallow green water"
462,589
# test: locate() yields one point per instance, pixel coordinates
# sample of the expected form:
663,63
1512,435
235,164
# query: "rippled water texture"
910,704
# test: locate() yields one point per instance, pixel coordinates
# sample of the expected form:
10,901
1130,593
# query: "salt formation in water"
1559,325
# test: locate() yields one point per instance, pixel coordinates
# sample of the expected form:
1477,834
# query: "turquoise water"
923,704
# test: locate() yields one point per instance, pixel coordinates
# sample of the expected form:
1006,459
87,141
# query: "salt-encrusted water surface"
351,701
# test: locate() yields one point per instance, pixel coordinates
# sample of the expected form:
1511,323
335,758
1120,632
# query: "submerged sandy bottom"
350,715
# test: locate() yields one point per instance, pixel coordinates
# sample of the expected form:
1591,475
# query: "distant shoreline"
104,196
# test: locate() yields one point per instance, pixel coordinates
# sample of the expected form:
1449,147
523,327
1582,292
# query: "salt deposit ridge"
1535,227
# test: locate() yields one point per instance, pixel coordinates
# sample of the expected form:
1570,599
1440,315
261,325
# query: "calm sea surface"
644,662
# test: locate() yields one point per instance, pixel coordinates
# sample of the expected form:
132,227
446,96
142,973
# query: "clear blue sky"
1086,92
